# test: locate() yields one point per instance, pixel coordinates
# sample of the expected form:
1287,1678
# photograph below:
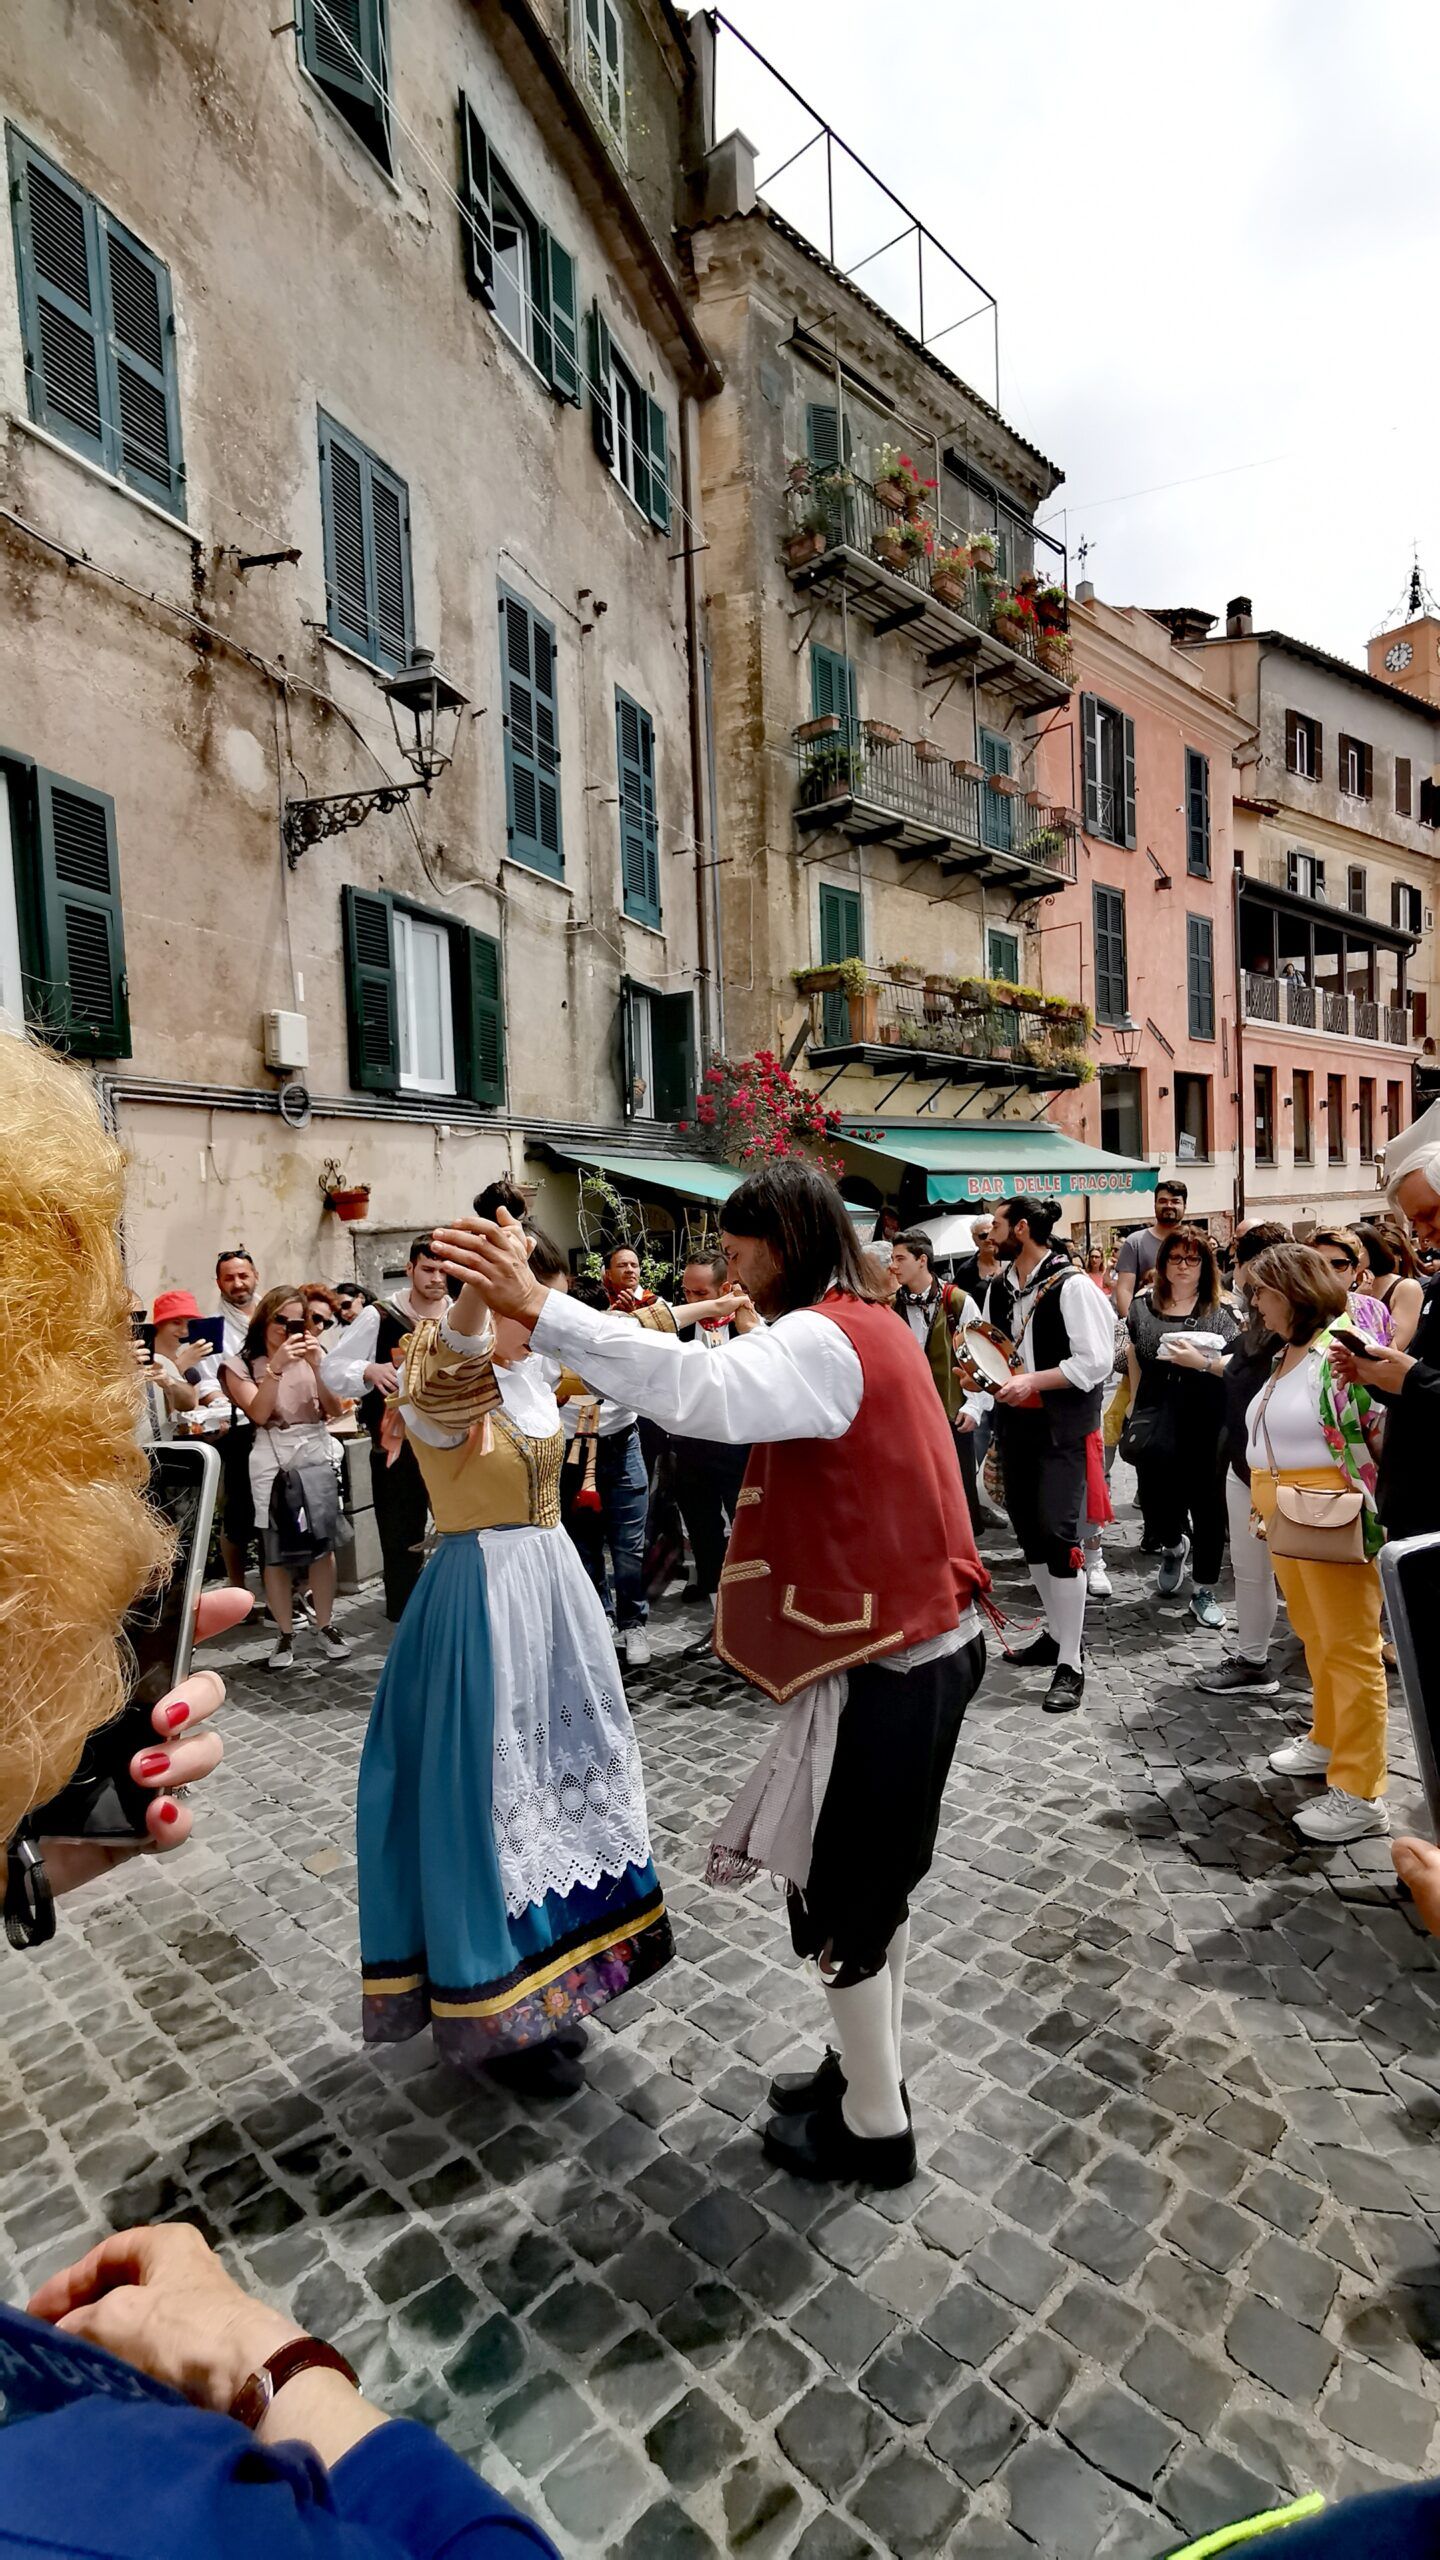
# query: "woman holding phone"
277,1384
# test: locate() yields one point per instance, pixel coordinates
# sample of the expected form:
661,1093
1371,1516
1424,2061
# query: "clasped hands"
491,1257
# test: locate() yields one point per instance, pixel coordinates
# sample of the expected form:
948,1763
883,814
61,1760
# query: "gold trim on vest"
751,1572
828,1626
747,1493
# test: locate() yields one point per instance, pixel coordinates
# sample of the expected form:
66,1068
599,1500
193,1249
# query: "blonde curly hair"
77,1542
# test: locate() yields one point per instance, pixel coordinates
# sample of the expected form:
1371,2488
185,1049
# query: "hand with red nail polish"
151,1764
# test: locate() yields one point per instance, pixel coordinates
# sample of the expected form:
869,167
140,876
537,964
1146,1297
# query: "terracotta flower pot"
881,733
965,769
889,550
927,752
802,547
827,726
351,1204
948,587
864,1006
892,494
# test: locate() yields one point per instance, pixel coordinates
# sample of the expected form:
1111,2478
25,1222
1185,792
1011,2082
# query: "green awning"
687,1177
962,1162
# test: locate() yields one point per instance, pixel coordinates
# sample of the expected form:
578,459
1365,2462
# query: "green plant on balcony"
984,552
1046,846
949,572
830,771
1065,1013
1012,617
1074,1062
1052,610
898,484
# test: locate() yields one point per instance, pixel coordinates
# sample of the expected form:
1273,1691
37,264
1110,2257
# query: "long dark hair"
1207,1294
1387,1250
546,1259
799,1213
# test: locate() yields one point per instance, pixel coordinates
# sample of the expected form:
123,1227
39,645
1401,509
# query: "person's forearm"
766,1387
331,1405
180,1396
322,2410
262,1403
1124,1292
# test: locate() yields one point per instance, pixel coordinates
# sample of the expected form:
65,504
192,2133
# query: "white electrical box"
287,1042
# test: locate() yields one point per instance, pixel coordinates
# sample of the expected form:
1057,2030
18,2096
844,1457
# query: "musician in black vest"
1064,1332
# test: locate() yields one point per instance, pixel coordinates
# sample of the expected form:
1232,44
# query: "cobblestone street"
1172,2254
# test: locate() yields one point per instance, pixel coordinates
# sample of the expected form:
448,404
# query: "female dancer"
506,1884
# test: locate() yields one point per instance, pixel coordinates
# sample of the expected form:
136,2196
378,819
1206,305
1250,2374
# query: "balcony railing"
1303,1007
845,524
856,776
937,1021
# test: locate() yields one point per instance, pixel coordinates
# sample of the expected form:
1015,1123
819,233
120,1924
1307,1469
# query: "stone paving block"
1207,2489
969,2323
1278,2350
719,2226
653,2271
911,2503
829,2537
1300,2281
850,2235
1106,2242
1037,2371
693,2440
975,2431
635,2377
1117,2434
1214,2233
909,2377
776,2271
541,2420
832,2435
1058,2501
593,2489
1100,2324
843,2324
665,2532
1184,2386
1370,2410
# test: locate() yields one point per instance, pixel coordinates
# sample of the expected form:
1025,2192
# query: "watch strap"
259,2388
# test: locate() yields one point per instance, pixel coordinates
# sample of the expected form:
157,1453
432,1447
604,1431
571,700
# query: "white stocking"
1066,1613
895,1955
863,2019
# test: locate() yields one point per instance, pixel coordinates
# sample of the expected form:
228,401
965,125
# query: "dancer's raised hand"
491,1257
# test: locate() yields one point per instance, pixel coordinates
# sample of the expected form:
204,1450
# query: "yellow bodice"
516,1485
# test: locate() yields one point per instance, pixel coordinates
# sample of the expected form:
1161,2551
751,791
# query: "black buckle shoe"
1065,1691
821,2145
537,2071
798,2093
1040,1654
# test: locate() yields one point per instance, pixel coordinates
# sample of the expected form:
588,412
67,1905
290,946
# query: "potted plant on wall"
1013,617
949,573
882,733
984,551
349,1200
898,485
829,773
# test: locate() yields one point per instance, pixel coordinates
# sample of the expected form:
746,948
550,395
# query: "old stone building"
323,346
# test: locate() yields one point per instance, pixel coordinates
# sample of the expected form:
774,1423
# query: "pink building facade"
1145,936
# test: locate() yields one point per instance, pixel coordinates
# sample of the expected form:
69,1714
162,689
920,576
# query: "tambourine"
984,1356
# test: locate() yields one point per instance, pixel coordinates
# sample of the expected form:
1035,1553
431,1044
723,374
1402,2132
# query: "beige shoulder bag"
1312,1523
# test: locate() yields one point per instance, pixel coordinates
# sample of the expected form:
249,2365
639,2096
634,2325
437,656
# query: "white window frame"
594,68
1309,873
12,983
406,928
518,218
626,386
1352,781
1304,748
642,1056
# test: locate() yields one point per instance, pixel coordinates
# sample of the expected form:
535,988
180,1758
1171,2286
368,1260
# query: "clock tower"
1409,655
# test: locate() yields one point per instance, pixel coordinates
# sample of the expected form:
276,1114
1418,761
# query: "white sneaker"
333,1644
283,1657
636,1641
1301,1758
1097,1580
1336,1816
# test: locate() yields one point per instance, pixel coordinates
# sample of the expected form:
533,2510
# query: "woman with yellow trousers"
1310,1435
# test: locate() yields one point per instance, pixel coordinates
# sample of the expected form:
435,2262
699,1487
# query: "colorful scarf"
1351,1422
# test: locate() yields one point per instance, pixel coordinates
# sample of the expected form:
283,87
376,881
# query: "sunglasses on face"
1337,1262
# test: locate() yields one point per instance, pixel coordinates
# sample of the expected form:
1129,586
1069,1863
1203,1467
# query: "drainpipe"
706,946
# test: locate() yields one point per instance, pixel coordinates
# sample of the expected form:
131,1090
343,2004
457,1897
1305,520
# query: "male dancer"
857,1616
1065,1334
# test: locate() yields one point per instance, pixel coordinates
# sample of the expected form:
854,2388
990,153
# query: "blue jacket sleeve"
412,2493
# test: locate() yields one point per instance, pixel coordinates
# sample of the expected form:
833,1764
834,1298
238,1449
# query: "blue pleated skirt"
450,1836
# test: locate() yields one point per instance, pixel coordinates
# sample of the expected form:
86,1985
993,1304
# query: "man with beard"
1136,1258
857,1616
1065,1334
238,1282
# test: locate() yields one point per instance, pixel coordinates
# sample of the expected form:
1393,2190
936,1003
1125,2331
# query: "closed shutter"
371,990
65,363
1127,802
604,62
1090,760
1111,976
1292,742
564,367
832,684
672,1039
1200,976
142,356
1317,750
1197,814
483,1015
657,504
1402,787
476,224
79,999
997,814
840,936
366,512
532,753
639,834
602,407
344,45
1396,897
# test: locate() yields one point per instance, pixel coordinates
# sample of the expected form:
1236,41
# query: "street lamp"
425,710
1128,1036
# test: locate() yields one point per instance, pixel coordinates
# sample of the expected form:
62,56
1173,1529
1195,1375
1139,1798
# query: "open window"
424,1001
657,1052
62,939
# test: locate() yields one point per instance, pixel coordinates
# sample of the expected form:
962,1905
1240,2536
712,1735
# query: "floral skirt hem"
555,1988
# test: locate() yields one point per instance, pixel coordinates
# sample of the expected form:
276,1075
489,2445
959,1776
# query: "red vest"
846,1549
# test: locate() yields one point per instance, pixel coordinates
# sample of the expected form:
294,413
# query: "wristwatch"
259,2388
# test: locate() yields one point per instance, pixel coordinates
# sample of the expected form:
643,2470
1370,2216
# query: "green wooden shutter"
1112,993
61,302
1128,796
484,1019
564,368
80,997
1090,754
832,684
1200,976
822,434
841,938
392,631
145,407
344,45
639,833
658,499
672,1043
372,991
997,814
604,62
347,584
532,753
476,227
602,413
1197,814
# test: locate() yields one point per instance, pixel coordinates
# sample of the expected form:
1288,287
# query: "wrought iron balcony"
880,788
971,1031
1299,1006
852,543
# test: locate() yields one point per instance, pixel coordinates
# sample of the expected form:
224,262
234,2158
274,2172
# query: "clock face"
1398,657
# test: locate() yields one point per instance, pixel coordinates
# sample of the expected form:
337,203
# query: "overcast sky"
1214,238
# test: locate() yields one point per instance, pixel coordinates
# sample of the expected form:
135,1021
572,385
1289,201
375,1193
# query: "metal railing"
1304,1007
850,514
849,763
905,1013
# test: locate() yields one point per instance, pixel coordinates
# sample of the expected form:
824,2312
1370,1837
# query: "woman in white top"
1305,1428
277,1384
